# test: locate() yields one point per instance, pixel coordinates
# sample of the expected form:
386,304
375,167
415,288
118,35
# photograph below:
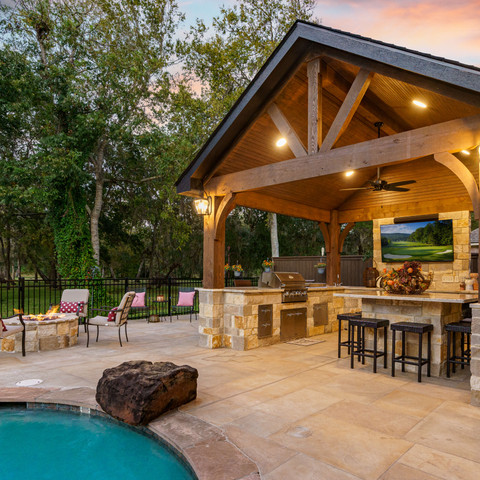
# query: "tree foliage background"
102,106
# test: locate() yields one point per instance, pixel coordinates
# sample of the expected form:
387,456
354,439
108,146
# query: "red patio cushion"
70,307
112,314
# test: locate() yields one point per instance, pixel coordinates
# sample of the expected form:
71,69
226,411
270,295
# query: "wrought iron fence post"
21,294
126,285
169,297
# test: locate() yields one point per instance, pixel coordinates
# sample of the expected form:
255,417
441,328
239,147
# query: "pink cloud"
447,29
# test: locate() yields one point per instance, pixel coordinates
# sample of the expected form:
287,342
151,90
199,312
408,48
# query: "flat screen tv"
430,241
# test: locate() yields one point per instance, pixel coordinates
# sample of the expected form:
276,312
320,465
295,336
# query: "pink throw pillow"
185,299
2,325
139,300
71,307
112,314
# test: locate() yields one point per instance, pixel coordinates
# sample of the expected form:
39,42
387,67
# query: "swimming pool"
54,445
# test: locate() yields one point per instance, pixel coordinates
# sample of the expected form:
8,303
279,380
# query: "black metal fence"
36,296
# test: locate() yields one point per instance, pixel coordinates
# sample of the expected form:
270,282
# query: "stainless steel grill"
293,284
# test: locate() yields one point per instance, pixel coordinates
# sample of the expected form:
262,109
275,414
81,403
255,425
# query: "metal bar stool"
420,329
361,324
346,343
463,327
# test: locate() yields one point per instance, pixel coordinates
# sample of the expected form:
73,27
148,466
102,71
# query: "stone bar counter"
436,308
43,335
243,318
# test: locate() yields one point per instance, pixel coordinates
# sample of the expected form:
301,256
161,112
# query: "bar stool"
346,343
361,324
463,327
420,329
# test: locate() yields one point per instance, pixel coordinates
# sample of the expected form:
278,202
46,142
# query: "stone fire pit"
52,333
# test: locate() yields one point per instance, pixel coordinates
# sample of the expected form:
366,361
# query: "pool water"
41,444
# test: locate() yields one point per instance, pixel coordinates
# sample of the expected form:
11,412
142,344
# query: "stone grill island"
243,318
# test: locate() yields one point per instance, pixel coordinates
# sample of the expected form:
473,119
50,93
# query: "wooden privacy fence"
352,268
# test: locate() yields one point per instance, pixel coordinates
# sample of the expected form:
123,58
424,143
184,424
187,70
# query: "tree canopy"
102,106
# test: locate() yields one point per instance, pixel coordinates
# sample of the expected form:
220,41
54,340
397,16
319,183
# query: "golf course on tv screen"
430,241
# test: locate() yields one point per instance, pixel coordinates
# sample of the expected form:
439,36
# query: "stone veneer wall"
475,359
446,276
229,317
43,336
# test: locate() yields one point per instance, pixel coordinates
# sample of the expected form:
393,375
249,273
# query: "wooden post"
334,239
214,241
331,235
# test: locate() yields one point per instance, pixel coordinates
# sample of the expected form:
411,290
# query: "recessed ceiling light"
418,103
281,142
349,173
465,152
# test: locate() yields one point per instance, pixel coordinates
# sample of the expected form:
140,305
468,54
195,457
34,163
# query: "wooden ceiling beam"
314,105
347,109
286,130
451,136
464,174
405,209
267,203
371,108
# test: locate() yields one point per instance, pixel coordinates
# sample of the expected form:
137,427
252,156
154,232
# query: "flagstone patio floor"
280,412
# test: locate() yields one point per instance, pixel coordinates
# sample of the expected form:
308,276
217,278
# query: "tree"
102,65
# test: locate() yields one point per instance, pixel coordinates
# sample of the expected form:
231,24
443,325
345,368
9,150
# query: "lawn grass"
421,252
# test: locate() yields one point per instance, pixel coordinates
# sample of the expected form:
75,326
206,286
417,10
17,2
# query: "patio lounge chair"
119,317
77,296
186,302
14,329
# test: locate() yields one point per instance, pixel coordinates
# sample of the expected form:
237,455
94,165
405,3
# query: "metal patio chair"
120,317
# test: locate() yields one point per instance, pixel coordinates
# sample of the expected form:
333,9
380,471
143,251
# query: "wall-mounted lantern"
203,206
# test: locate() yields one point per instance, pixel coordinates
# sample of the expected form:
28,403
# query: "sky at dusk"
447,28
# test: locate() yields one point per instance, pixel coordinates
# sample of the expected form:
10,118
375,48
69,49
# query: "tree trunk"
8,267
140,268
112,272
97,206
38,270
272,222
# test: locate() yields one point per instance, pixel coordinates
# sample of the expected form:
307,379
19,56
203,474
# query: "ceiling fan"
378,184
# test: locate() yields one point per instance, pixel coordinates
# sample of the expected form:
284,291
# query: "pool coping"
202,447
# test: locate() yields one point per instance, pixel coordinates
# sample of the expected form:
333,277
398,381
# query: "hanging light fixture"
203,206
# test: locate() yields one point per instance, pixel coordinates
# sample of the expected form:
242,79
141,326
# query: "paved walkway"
295,412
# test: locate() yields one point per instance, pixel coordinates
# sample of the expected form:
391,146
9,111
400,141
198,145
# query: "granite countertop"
441,297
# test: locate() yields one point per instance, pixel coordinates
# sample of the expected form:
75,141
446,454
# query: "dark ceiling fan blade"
358,188
406,182
393,188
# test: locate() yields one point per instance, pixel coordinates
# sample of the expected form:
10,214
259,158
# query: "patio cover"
323,90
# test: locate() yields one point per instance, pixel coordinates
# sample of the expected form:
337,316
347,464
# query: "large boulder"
137,392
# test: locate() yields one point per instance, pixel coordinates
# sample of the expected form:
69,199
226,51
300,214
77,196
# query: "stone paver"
277,413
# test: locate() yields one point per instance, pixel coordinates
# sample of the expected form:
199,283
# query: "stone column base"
475,360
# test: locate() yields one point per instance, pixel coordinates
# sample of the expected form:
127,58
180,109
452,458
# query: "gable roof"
447,77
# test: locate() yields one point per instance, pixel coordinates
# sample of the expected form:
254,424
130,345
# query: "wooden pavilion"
323,90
